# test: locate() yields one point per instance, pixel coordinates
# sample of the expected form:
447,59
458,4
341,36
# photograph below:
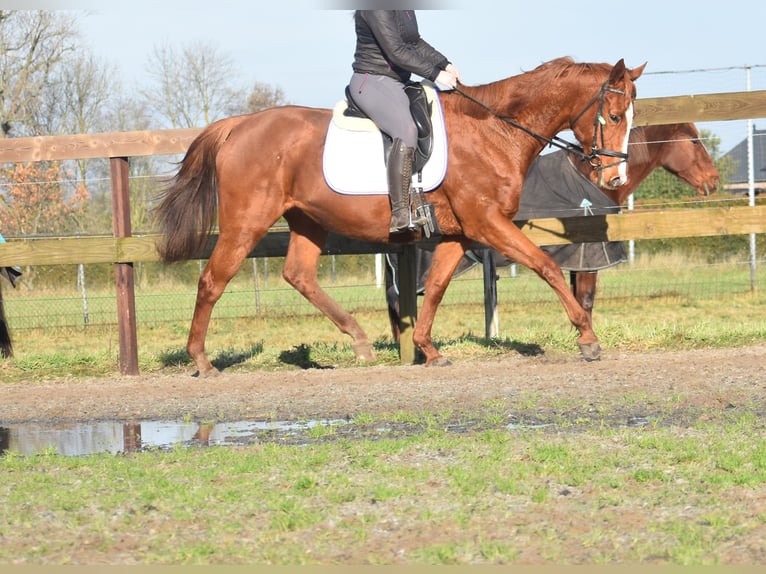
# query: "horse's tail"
187,210
6,347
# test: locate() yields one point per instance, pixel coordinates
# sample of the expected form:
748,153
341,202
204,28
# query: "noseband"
598,128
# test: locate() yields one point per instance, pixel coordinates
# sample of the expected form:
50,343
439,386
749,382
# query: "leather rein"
598,128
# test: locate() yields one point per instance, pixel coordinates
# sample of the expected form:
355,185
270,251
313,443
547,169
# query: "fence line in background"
119,146
254,296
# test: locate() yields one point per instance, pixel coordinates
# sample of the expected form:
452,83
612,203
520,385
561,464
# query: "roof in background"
739,155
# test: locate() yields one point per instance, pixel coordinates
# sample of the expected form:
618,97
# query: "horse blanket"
554,188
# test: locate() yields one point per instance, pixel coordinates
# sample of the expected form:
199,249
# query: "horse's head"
688,159
603,125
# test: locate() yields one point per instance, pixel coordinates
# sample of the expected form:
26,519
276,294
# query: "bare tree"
264,96
32,46
79,101
145,172
129,113
192,86
87,88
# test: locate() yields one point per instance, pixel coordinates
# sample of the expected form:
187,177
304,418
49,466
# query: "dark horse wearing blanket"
254,169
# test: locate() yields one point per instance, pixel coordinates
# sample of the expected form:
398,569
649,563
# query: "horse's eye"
615,118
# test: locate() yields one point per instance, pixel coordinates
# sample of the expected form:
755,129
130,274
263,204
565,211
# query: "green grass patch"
677,496
243,345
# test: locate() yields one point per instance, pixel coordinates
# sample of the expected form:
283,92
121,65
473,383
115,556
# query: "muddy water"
84,438
79,439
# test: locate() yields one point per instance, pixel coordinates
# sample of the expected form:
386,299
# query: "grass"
573,492
669,495
309,341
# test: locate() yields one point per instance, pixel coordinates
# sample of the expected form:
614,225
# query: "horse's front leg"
300,271
392,295
446,257
509,240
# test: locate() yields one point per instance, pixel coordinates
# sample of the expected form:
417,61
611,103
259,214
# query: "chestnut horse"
257,168
675,147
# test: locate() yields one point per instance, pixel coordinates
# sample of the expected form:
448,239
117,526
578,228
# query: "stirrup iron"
423,212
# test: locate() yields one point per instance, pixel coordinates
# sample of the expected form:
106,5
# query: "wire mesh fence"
74,304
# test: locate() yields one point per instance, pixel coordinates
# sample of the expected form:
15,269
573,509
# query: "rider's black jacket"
388,43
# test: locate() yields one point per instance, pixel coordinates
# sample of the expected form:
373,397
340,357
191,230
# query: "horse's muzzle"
708,187
613,183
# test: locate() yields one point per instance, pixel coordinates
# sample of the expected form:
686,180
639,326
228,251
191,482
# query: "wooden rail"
649,111
661,224
700,108
123,250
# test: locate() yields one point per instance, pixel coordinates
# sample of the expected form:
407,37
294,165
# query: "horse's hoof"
363,351
590,351
439,362
210,373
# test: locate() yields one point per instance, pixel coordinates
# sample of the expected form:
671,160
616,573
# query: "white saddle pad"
353,161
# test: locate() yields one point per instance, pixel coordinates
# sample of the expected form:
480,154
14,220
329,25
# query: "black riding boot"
400,160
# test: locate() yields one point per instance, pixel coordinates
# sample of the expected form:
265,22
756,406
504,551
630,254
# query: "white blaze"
623,169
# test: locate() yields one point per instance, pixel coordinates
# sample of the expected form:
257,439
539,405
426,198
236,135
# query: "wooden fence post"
123,272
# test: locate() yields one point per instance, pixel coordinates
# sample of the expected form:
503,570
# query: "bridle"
598,128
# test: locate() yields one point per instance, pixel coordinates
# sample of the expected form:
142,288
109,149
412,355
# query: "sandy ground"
620,386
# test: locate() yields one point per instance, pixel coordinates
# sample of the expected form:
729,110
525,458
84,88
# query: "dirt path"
620,386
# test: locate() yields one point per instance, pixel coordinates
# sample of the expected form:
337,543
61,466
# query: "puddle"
80,439
84,438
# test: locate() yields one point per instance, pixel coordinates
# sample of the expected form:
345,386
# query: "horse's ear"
635,73
618,72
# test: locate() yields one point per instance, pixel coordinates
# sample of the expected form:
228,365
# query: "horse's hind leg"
300,271
584,289
225,261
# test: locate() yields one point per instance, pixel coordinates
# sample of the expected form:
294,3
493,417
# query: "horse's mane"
565,66
547,72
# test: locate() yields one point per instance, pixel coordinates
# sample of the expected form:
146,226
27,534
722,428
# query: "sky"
305,47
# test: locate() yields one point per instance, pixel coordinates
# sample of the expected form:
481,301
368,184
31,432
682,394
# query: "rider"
388,50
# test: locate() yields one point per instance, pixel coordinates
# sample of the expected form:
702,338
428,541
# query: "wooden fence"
123,249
